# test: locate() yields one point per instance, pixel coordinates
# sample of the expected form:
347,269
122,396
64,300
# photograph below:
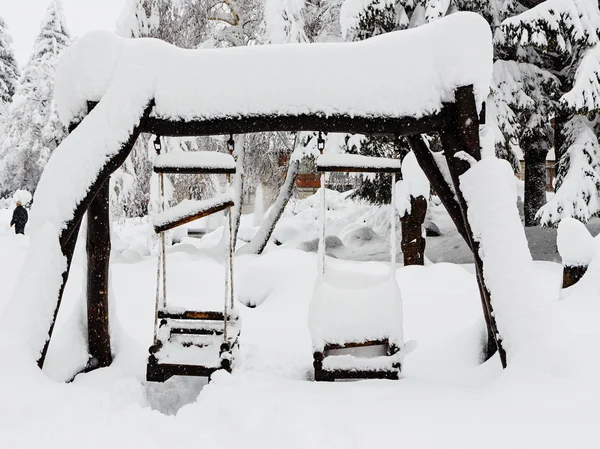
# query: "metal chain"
322,243
231,149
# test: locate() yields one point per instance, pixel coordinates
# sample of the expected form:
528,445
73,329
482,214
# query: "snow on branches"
32,129
578,181
9,72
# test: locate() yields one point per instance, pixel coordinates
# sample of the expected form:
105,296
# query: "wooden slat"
195,331
194,170
161,372
356,344
193,315
392,374
187,219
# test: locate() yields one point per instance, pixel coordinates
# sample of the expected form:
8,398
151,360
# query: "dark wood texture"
360,344
438,183
278,123
194,170
195,331
98,257
193,315
332,375
572,274
413,242
189,218
162,372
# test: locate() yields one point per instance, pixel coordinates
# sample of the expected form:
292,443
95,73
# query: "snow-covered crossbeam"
402,74
191,162
357,163
190,210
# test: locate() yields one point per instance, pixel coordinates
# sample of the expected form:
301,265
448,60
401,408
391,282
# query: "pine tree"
9,72
563,37
31,132
284,21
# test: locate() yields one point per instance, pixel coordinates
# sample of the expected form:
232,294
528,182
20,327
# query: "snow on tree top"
405,73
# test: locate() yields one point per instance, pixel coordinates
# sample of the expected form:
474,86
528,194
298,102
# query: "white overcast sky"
23,18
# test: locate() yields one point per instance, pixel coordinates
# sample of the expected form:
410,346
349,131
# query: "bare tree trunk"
259,241
535,184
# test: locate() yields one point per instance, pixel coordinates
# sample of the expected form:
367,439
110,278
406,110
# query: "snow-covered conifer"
31,134
9,72
562,36
284,21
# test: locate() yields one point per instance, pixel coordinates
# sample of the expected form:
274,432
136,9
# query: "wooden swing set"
209,338
457,125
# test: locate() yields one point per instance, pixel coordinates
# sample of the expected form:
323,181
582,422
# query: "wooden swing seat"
163,372
190,210
353,163
387,370
195,162
182,331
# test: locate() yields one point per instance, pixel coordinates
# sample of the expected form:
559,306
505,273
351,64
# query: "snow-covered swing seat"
354,311
109,90
193,342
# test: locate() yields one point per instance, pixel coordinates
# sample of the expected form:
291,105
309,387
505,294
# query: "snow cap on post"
84,72
575,243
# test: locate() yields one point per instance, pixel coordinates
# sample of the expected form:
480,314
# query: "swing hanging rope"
321,148
161,268
393,219
228,255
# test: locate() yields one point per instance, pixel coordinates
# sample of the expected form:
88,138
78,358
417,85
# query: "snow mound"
517,292
357,235
354,307
575,243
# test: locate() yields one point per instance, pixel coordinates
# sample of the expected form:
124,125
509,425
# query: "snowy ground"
445,399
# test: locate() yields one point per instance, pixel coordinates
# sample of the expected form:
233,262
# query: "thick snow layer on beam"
405,73
207,160
189,208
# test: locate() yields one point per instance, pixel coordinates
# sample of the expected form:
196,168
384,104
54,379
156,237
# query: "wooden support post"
68,237
413,243
98,257
440,186
461,133
572,274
